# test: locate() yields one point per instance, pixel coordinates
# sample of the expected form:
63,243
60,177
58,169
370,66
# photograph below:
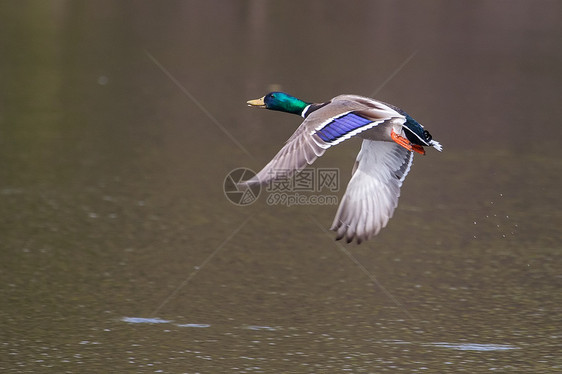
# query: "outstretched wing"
372,193
341,119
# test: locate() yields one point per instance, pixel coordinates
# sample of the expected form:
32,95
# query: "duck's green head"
280,101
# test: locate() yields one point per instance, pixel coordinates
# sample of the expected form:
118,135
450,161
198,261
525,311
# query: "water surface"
119,251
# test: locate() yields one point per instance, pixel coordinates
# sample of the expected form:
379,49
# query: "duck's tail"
436,145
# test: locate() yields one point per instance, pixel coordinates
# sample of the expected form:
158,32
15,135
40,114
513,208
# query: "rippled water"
119,251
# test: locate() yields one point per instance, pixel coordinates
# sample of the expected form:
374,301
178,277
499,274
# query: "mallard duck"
390,138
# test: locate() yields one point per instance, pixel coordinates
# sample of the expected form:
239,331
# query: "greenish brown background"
113,151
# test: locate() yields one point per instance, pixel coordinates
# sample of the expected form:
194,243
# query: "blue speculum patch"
341,126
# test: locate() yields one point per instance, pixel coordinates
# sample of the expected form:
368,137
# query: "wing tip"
343,231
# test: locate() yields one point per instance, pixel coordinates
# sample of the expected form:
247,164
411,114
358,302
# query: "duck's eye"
427,135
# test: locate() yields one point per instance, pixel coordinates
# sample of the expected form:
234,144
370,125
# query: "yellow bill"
259,103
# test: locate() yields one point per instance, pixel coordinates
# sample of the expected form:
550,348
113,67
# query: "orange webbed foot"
419,149
406,143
